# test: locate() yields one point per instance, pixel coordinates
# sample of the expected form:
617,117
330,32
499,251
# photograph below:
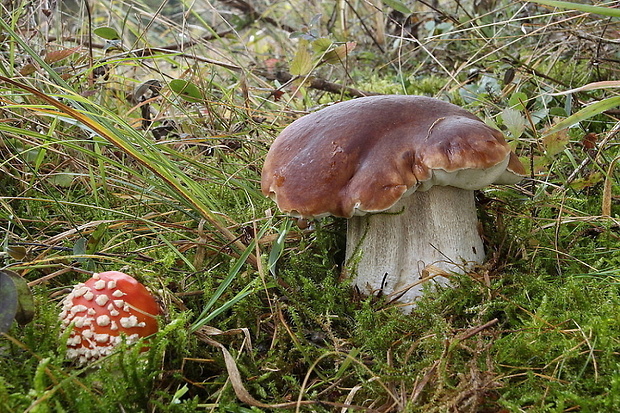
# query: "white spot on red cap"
99,285
82,321
129,322
67,303
78,308
80,291
102,299
103,320
75,340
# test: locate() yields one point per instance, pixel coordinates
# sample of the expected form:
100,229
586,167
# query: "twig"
475,330
173,47
149,51
315,83
593,37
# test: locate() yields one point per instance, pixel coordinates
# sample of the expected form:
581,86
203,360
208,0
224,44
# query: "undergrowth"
132,138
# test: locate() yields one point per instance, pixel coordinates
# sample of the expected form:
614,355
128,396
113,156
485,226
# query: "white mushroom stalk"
423,237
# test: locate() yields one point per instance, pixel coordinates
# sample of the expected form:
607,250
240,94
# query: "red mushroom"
108,305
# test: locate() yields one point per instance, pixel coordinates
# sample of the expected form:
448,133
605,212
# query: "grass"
143,154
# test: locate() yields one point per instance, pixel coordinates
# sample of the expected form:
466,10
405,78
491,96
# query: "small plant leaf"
277,247
589,181
321,45
79,248
178,395
302,62
16,252
316,20
517,100
589,140
95,238
398,6
107,33
62,179
27,69
8,302
187,90
25,303
514,121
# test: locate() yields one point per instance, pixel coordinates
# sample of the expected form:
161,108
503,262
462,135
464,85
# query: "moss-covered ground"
132,136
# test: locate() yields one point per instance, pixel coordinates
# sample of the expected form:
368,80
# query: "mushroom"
101,310
403,170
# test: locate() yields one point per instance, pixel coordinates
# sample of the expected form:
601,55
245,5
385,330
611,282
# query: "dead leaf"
27,69
58,55
589,141
555,142
338,54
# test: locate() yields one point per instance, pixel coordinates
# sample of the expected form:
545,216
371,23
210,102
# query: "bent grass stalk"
141,150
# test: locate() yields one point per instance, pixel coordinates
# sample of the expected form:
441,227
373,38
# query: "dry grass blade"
590,86
607,188
420,385
393,399
235,376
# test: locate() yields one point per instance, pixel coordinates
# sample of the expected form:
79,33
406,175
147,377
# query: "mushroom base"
422,237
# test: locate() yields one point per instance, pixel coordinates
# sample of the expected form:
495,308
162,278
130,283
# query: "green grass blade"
585,113
605,11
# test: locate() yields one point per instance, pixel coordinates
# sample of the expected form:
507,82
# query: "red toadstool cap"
102,309
363,155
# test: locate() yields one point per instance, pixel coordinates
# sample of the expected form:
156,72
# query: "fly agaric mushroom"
403,169
101,310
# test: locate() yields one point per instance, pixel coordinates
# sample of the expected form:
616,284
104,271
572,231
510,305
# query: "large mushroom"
103,309
403,170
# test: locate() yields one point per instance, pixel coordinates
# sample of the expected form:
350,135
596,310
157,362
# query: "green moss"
534,329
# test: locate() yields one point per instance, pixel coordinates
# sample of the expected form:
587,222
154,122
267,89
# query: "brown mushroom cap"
363,155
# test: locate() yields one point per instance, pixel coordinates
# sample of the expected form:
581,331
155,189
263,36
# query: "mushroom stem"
424,233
